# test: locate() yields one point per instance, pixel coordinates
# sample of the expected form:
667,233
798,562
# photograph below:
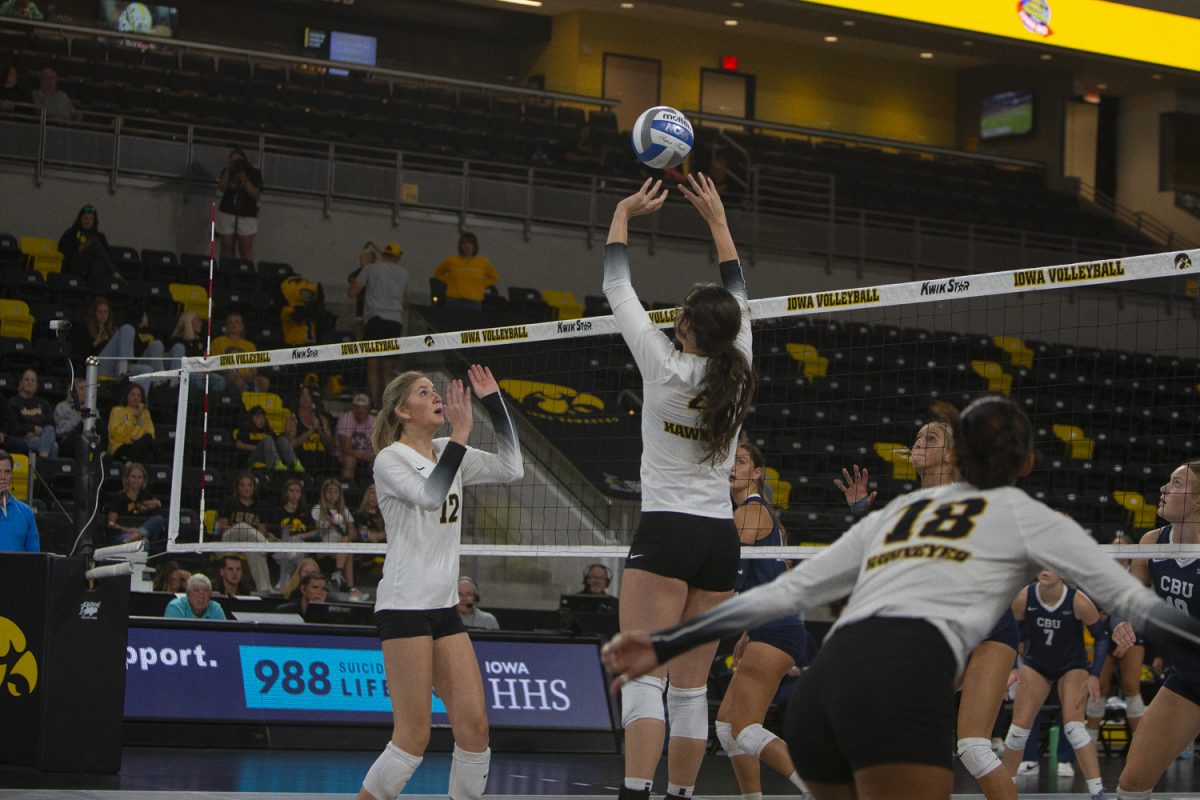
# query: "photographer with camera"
237,216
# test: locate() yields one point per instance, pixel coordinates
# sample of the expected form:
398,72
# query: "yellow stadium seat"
15,320
1143,514
20,478
564,302
1018,353
997,379
277,413
896,454
780,490
210,520
815,365
1079,447
191,297
41,255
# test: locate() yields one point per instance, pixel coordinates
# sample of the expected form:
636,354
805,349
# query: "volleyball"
662,137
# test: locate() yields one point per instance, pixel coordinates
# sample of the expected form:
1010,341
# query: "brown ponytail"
992,440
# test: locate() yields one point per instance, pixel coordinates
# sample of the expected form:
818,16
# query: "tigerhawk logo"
559,403
18,667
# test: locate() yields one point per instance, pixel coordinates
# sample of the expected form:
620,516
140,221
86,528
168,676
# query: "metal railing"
784,214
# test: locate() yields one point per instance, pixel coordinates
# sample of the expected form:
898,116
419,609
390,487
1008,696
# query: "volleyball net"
1102,355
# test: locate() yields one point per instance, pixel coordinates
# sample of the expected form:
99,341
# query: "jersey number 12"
449,509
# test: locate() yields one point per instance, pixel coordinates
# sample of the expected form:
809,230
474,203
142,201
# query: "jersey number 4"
950,521
449,509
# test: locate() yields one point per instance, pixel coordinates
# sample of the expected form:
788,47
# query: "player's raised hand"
456,409
482,381
855,488
702,193
645,200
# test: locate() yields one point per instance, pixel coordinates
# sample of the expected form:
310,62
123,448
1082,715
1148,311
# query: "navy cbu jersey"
1054,634
1176,581
760,571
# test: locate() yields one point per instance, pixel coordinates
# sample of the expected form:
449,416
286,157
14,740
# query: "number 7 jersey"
954,556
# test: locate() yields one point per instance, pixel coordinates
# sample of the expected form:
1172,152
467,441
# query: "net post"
177,460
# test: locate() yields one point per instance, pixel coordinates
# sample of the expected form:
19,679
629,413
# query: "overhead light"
968,43
534,3
831,39
1156,77
731,23
626,5
1102,86
927,55
737,4
849,23
1046,57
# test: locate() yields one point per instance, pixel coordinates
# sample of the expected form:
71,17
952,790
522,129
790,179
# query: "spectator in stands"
368,255
198,603
310,433
265,447
18,528
85,249
170,577
188,340
135,502
368,518
314,588
234,341
25,9
68,422
468,607
383,285
354,437
243,520
130,428
596,580
30,420
305,566
231,575
582,154
335,524
466,275
58,106
8,89
93,336
131,349
241,184
295,525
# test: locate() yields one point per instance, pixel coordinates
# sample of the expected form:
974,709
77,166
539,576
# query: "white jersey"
422,514
674,472
954,556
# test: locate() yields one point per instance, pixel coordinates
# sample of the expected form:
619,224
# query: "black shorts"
1006,631
881,691
380,328
1052,672
788,637
405,624
1183,684
701,551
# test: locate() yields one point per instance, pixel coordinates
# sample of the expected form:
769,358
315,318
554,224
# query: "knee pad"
642,698
1017,737
388,775
728,743
755,738
469,773
1077,734
977,756
688,710
1135,707
1095,708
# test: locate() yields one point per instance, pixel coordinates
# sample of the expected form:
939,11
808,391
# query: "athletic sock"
635,789
1095,785
753,796
677,792
795,779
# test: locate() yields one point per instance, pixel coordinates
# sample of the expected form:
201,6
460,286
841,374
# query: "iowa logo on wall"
558,403
18,667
